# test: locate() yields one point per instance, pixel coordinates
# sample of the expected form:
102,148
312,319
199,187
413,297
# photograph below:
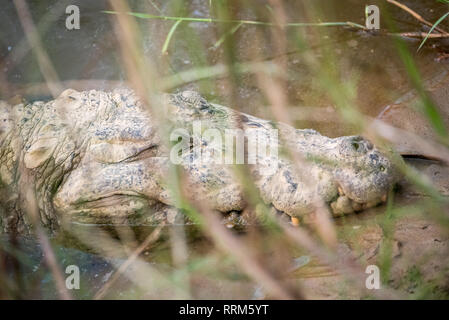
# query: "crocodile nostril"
356,146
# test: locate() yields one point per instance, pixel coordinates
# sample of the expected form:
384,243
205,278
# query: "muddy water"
89,58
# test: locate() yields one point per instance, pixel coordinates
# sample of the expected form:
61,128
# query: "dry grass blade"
350,269
274,89
322,222
26,185
32,35
417,16
245,257
22,48
143,275
395,135
420,35
140,72
151,238
32,210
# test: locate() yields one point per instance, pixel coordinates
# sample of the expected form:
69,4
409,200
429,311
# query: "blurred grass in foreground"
260,255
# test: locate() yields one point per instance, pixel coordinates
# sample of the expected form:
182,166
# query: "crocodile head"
364,175
347,173
98,157
124,166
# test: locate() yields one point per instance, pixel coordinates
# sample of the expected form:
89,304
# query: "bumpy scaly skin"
98,157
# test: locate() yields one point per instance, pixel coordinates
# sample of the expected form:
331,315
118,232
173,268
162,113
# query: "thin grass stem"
169,36
250,22
431,29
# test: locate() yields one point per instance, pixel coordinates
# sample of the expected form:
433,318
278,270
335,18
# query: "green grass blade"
196,74
252,22
223,37
427,107
169,36
431,29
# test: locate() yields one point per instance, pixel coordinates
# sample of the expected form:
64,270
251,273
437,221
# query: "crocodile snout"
364,177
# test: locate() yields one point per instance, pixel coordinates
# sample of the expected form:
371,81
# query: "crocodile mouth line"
344,204
109,199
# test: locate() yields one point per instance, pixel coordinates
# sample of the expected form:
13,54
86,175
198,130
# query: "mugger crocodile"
98,157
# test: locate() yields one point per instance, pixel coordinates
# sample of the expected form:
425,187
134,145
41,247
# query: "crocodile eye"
356,146
382,168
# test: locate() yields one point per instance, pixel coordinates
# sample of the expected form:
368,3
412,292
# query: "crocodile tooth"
295,221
